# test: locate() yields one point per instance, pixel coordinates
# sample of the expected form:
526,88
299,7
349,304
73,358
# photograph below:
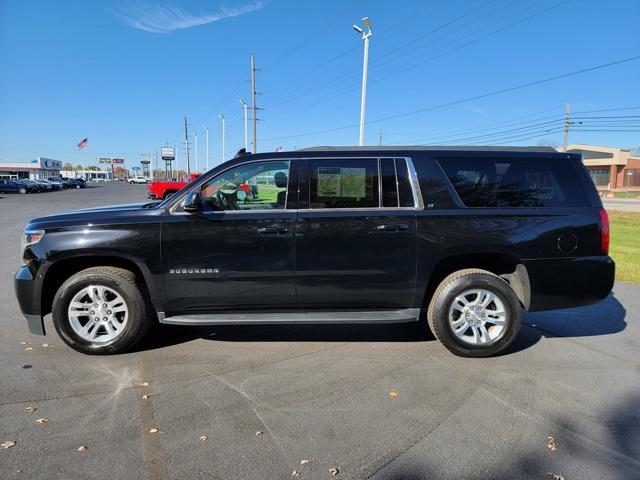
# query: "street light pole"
206,146
365,64
244,107
221,117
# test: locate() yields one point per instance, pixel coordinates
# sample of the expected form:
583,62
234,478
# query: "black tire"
126,285
457,283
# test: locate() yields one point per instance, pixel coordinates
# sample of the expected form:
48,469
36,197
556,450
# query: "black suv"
464,236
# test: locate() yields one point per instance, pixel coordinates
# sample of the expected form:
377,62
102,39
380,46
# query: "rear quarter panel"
532,235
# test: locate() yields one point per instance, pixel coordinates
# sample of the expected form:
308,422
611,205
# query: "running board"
257,318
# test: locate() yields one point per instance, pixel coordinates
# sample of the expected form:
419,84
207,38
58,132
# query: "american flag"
82,143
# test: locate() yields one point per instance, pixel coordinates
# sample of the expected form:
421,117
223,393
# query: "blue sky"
125,73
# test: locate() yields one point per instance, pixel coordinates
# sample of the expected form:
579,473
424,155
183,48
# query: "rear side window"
347,183
484,182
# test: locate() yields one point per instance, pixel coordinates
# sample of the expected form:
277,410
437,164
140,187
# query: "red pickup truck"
162,189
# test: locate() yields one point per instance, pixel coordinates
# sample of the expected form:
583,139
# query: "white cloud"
165,18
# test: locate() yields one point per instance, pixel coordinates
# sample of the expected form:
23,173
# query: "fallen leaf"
18,470
145,397
557,476
204,438
42,420
28,348
82,448
259,433
304,462
30,409
334,471
23,343
45,345
551,444
144,384
153,430
393,393
295,473
8,444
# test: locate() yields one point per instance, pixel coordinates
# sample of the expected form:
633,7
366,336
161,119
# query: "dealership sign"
49,163
168,154
104,160
118,160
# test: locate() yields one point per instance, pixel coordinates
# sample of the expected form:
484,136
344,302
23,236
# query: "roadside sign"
104,160
118,160
168,154
135,168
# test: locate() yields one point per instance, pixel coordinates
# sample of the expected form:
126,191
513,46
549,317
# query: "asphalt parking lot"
381,402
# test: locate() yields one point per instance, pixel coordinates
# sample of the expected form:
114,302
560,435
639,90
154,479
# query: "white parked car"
138,180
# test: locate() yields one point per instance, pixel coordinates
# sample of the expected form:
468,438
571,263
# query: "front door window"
252,186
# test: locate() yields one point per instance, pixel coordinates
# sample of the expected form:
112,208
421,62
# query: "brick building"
610,168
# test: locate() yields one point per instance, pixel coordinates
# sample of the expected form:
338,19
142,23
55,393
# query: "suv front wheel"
100,310
474,313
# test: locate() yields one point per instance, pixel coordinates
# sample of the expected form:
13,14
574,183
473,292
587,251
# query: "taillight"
604,232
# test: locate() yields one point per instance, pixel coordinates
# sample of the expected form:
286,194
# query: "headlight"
30,237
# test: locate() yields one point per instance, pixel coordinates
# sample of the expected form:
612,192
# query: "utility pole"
221,117
365,64
206,147
380,137
254,107
567,124
244,107
186,146
195,140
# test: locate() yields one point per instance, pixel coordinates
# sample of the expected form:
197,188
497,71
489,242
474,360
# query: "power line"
354,73
430,32
468,99
388,73
527,126
392,72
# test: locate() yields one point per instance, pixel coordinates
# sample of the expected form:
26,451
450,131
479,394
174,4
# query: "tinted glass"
515,183
253,186
347,183
389,184
404,184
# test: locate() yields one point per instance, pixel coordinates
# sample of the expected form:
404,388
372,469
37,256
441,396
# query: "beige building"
610,168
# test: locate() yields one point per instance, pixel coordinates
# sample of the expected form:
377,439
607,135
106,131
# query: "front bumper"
569,282
29,300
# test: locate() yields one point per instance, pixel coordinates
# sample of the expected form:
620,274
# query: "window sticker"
342,182
329,180
353,182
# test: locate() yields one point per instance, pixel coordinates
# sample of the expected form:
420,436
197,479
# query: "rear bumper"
29,300
569,282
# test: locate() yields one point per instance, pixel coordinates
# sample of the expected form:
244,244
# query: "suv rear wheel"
101,310
474,313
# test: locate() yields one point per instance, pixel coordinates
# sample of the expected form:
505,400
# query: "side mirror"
192,202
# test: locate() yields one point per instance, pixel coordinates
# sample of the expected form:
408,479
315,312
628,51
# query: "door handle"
393,228
272,230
